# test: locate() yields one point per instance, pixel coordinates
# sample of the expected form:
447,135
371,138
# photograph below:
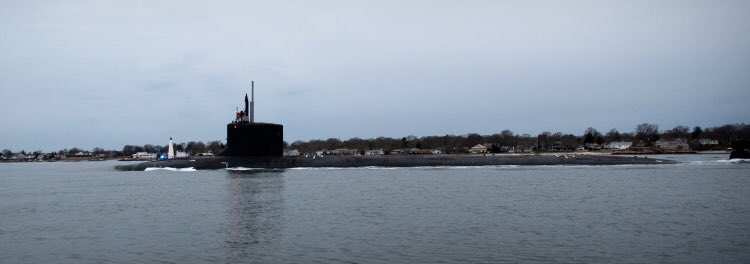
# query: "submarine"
258,145
740,150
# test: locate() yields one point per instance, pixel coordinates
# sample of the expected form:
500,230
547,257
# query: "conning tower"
740,150
245,137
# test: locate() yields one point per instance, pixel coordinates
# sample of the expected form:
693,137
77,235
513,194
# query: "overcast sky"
109,73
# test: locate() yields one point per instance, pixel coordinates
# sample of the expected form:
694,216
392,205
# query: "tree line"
192,148
645,134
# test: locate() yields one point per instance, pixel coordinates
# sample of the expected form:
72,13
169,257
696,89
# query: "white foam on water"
169,169
456,167
379,168
734,161
462,167
250,169
320,168
719,162
465,167
241,169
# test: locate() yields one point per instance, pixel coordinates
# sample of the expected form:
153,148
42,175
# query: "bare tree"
592,136
333,143
543,141
214,146
194,147
677,132
613,135
569,142
509,139
696,134
98,150
473,139
647,133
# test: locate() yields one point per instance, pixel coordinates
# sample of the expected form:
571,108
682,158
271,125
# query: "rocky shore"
220,162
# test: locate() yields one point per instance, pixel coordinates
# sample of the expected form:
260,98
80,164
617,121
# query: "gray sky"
110,73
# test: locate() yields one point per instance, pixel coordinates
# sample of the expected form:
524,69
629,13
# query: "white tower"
170,154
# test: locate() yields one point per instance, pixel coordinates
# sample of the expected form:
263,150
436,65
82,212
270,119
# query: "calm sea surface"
86,212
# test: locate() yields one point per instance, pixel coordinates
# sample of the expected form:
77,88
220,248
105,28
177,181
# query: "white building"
707,141
144,155
592,146
374,152
478,149
345,152
619,145
292,153
672,144
337,152
82,154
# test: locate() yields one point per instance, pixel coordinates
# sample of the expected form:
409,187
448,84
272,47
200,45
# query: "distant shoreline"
557,154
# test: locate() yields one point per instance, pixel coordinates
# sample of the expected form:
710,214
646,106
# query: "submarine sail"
245,137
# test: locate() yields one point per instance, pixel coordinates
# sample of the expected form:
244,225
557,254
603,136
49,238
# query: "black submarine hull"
260,145
275,162
740,150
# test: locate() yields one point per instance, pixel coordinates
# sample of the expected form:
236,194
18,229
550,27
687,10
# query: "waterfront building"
83,154
478,149
592,146
677,144
708,142
144,155
344,151
416,151
619,145
397,152
291,153
374,152
337,152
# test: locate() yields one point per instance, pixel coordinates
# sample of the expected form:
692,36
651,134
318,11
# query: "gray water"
86,212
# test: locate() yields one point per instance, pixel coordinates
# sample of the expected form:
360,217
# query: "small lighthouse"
170,153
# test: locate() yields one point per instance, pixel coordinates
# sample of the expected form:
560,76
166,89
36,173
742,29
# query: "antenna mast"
252,101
